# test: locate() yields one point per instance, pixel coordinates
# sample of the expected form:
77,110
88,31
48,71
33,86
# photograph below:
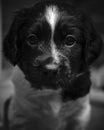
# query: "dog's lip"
52,66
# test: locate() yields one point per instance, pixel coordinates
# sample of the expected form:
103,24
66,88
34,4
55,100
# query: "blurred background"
96,10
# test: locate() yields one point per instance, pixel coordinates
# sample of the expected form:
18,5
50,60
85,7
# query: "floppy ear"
11,43
94,43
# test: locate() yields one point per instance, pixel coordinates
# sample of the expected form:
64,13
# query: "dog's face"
52,42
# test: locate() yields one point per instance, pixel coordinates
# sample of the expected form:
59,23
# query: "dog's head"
52,42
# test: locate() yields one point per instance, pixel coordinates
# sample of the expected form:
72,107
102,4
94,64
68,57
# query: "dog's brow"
52,16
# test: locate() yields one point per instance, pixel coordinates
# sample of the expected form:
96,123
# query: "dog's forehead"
52,16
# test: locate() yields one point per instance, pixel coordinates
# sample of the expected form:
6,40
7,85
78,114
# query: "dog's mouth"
54,78
51,74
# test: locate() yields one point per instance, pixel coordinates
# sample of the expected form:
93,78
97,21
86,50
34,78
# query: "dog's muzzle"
52,58
53,66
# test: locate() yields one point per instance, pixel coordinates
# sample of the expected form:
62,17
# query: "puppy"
52,46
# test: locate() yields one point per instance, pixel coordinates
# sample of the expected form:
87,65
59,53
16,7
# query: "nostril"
43,59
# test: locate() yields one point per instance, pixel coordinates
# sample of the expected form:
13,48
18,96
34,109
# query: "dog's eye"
32,39
69,41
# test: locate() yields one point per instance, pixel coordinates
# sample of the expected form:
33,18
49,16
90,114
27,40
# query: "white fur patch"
52,16
84,116
55,106
55,55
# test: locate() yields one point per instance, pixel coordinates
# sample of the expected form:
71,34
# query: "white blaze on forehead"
52,16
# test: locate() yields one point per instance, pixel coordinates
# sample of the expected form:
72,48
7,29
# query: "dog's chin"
50,79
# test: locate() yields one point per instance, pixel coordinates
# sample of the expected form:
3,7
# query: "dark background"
96,10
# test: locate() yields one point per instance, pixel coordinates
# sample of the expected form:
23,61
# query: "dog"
52,46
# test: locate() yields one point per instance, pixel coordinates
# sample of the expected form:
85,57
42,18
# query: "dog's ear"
94,44
11,43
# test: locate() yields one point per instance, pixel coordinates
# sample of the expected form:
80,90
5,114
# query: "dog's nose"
48,66
47,63
43,60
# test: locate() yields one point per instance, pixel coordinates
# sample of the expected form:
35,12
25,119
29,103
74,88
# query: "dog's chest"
43,111
55,106
39,112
